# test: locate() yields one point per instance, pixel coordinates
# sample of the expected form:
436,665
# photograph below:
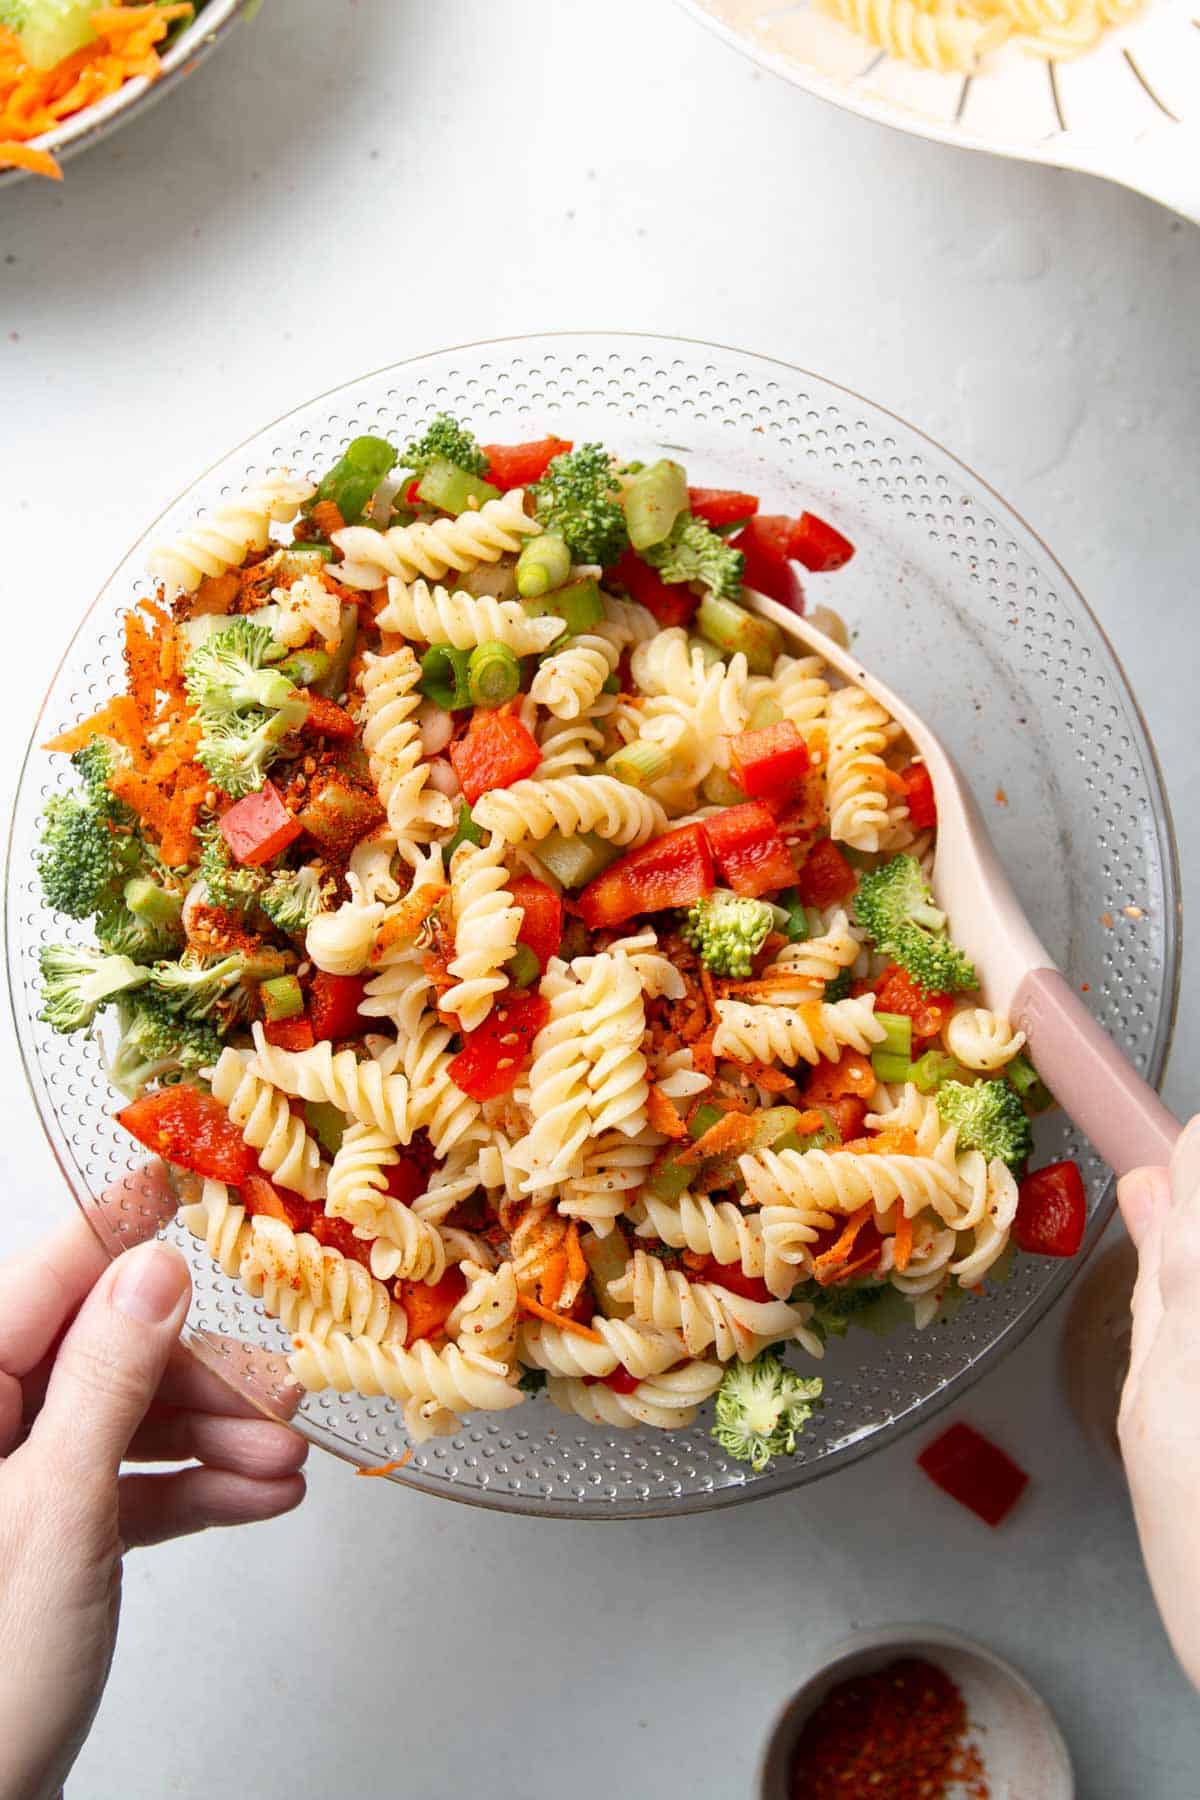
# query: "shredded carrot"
852,1268
896,1140
839,1252
179,749
117,717
902,1242
552,1277
327,518
526,1304
141,656
708,989
660,1110
773,1080
388,1468
810,1122
27,156
730,1134
577,1268
893,782
178,842
405,921
148,800
216,594
703,1059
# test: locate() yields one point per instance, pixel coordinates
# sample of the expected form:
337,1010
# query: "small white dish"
1023,1751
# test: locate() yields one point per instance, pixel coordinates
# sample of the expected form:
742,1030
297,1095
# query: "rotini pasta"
793,1034
981,1039
572,803
403,1245
706,1314
362,1090
231,531
261,1113
392,742
861,813
432,548
668,1401
486,924
570,681
313,1288
434,616
432,1386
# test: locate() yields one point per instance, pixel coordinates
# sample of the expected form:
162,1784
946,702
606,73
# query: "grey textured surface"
353,183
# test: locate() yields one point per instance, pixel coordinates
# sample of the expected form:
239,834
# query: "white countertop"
346,184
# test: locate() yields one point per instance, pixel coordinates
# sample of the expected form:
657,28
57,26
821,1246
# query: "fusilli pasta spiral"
981,1039
860,810
361,1089
435,616
431,548
313,1288
705,1313
790,1035
571,804
261,1113
210,546
486,924
432,1386
643,1351
393,745
668,1401
570,681
406,1246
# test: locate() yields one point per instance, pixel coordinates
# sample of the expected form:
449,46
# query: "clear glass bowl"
959,605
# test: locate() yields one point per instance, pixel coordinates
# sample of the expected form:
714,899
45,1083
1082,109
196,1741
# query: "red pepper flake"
900,1732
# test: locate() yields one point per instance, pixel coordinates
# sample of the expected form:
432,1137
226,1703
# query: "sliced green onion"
1029,1084
523,967
704,1118
731,628
544,563
897,1034
653,500
493,674
719,789
797,927
888,1067
639,763
465,832
444,677
932,1070
306,667
282,998
454,490
355,475
575,860
579,605
146,900
765,712
327,1124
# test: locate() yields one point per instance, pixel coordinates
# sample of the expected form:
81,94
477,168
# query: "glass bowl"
958,604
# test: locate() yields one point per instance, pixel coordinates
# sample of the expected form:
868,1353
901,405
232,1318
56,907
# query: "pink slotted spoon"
1089,1077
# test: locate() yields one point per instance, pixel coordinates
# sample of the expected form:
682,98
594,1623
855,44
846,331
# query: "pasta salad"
528,964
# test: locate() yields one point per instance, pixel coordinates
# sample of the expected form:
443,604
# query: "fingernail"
149,1283
1185,1164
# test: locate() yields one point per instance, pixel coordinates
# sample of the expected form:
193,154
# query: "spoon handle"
1089,1077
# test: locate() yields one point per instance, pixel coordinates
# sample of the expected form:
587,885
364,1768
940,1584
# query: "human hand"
91,1372
1159,1425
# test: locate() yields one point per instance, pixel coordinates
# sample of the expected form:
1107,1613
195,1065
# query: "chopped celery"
638,764
327,1124
493,674
797,927
890,1067
931,1070
453,490
444,677
704,1118
48,30
151,903
897,1034
606,1261
669,1179
765,712
708,651
544,563
306,667
575,860
355,475
731,628
336,680
282,998
465,832
653,500
1024,1077
579,605
791,1140
719,789
523,967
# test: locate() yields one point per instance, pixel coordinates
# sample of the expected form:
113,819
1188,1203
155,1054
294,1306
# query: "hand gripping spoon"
1089,1077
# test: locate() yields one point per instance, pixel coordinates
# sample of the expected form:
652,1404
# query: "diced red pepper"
193,1130
541,916
748,849
339,1235
327,718
897,992
621,1382
768,567
518,465
721,506
673,870
259,827
408,495
771,763
848,1115
918,791
1052,1211
494,1054
496,751
406,1181
825,876
975,1472
289,1034
263,1199
672,603
817,545
333,1005
428,1304
731,1277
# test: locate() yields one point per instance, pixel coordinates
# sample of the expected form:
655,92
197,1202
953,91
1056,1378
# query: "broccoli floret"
97,761
192,989
895,905
445,440
229,885
156,1045
728,930
532,1381
834,1308
693,551
245,708
82,860
760,1407
989,1117
292,898
578,499
238,752
77,983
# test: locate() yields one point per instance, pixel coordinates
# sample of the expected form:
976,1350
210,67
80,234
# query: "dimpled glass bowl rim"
557,1435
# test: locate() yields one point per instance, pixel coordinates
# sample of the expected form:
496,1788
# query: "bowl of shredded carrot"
71,71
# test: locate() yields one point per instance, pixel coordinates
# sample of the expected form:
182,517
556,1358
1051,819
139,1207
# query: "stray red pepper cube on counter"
975,1472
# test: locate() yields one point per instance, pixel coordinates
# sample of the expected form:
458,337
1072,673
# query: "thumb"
112,1359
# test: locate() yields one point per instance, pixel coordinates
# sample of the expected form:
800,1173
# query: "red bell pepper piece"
672,870
672,603
768,567
1051,1211
327,718
496,751
769,764
817,545
621,1382
191,1129
339,1235
406,1181
825,877
897,992
918,792
428,1304
333,1005
289,1034
519,465
975,1472
541,916
494,1053
259,827
848,1114
721,506
263,1199
731,1277
748,849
